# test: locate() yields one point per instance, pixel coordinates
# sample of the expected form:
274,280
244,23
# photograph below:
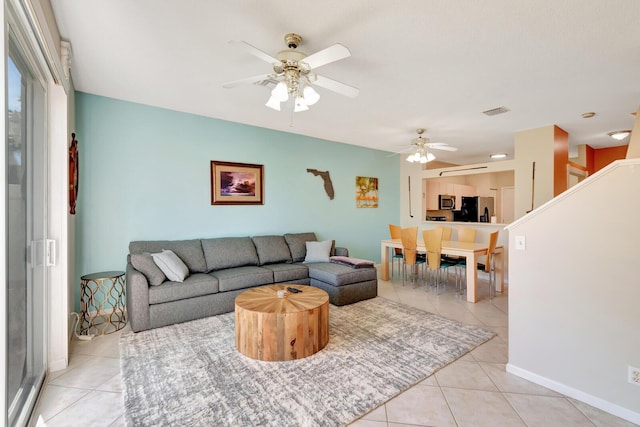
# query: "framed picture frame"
236,183
366,192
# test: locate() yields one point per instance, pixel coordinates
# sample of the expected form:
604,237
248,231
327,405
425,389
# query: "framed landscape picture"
236,183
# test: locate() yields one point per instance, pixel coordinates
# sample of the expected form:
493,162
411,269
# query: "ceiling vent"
495,111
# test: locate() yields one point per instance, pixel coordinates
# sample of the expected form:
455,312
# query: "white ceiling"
435,64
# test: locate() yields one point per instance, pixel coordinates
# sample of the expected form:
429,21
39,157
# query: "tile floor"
475,390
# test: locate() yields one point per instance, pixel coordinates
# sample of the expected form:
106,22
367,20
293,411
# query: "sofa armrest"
341,251
137,300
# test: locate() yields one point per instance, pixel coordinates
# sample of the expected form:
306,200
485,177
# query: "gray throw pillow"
171,265
189,251
318,251
145,265
296,242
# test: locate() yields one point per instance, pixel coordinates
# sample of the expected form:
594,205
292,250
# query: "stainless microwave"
446,202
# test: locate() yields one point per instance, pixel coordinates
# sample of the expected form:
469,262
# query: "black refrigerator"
475,209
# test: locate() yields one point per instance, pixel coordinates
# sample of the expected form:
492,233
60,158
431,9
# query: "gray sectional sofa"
221,268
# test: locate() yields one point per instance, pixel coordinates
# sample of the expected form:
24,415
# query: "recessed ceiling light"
498,155
619,134
588,115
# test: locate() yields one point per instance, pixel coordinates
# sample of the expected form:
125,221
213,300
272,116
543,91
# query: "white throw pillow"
318,251
171,265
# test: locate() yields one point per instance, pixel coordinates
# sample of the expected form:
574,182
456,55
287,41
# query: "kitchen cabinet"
435,188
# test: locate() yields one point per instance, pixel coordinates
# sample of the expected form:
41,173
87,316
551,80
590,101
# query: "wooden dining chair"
489,263
446,232
409,238
446,235
465,234
395,231
435,265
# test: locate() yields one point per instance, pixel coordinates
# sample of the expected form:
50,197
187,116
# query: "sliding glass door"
26,191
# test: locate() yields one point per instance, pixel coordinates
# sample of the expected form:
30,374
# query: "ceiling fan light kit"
423,157
619,135
292,69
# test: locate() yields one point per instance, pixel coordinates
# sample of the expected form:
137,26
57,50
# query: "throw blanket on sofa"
352,262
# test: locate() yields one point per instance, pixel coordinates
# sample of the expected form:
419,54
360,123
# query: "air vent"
495,111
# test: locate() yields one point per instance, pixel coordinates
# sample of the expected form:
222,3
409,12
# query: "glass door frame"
24,54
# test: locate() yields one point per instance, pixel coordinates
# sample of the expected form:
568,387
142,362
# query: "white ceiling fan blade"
254,51
336,86
406,150
325,56
248,80
441,146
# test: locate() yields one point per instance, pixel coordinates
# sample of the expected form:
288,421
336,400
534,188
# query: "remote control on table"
294,290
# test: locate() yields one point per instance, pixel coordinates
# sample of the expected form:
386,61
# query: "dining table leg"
472,277
384,262
499,270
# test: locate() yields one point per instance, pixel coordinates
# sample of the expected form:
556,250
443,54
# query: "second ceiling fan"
421,147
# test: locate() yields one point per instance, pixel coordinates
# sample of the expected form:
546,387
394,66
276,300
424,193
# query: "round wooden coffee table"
277,329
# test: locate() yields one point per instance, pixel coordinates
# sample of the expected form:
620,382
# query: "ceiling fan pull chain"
291,122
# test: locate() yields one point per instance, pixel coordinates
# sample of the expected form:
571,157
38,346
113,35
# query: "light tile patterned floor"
474,390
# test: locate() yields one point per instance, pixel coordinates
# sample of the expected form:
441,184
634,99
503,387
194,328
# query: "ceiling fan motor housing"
292,40
291,65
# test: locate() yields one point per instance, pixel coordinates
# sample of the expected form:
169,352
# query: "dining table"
471,251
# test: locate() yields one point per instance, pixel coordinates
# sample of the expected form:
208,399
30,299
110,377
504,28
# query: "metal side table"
102,303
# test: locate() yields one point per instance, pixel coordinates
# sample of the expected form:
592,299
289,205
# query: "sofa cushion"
196,285
271,249
318,251
288,272
297,244
189,251
242,277
145,265
171,265
229,252
338,275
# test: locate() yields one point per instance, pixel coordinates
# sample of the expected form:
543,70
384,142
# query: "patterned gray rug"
191,374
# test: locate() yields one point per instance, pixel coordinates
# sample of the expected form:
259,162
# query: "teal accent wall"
145,175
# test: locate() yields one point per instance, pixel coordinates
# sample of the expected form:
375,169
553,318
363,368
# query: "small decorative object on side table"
102,301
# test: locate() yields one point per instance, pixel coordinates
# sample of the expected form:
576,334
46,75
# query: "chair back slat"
446,232
433,244
466,234
409,238
493,240
396,233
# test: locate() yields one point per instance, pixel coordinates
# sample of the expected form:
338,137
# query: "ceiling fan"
421,147
295,75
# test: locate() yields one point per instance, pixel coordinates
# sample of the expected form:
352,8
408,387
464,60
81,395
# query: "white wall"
58,352
411,205
145,175
535,145
573,293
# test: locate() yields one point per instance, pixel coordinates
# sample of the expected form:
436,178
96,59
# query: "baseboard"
57,365
589,399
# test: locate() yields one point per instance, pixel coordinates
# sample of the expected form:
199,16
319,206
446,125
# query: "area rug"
190,374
